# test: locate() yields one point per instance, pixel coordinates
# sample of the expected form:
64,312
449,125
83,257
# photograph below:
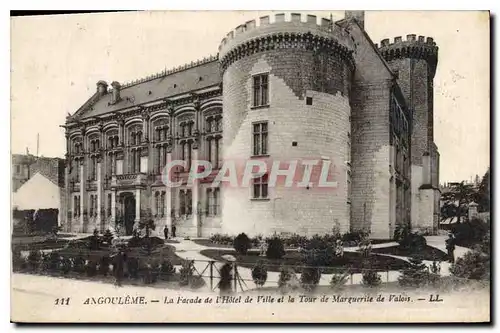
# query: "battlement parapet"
294,29
420,47
410,39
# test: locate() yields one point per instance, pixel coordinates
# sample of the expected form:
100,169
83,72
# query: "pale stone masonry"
280,89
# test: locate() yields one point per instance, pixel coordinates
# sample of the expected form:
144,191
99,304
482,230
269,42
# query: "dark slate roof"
51,168
194,78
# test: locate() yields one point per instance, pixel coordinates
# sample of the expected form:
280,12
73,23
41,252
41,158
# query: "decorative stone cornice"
285,40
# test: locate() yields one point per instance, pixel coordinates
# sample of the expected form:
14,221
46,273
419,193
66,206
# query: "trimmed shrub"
415,275
50,262
104,265
339,280
225,279
319,252
18,262
259,274
91,268
133,267
197,282
371,278
287,280
186,273
413,241
474,265
310,277
34,260
145,242
167,270
79,264
242,243
275,248
66,266
150,272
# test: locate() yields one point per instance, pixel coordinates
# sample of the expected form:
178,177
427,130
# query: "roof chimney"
358,15
116,92
102,87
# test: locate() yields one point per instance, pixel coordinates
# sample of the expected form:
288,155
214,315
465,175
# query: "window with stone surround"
261,90
260,138
110,203
213,202
260,186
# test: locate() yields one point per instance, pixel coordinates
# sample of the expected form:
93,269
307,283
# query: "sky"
56,62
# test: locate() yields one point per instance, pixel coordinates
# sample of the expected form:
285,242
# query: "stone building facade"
283,89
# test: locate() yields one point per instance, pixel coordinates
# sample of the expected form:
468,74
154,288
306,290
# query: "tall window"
110,203
260,138
218,124
216,201
77,170
260,187
218,155
111,163
209,125
157,203
93,168
208,202
209,150
260,90
91,206
162,203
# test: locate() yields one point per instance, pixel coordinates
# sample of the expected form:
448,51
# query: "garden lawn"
351,260
427,253
164,252
38,243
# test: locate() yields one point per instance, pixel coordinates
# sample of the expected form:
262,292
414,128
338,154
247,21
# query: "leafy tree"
483,193
457,200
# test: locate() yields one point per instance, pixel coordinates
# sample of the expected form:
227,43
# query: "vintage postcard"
244,166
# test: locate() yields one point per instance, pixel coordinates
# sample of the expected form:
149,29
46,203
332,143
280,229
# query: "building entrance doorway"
128,212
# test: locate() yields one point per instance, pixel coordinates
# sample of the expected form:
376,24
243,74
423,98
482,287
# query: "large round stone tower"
286,86
414,60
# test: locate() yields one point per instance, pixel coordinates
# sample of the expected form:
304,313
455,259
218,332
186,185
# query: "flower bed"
99,265
351,260
291,241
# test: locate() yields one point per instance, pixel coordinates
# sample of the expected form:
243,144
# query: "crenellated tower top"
415,48
294,31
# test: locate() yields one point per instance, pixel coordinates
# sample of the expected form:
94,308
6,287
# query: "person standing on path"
450,247
165,232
